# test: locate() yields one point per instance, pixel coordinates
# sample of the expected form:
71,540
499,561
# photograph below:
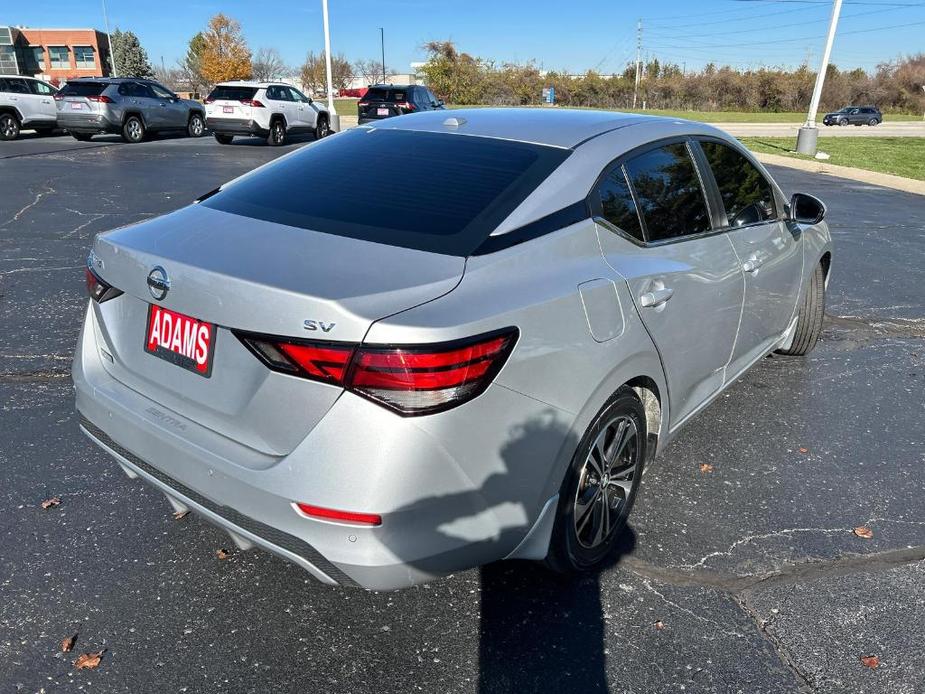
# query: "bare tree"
268,64
371,71
313,76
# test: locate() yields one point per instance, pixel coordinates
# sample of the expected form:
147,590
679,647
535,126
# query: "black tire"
572,548
277,134
196,127
872,122
809,320
9,126
82,137
843,121
322,127
223,139
44,132
133,130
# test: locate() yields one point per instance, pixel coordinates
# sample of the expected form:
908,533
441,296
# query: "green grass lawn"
348,107
903,156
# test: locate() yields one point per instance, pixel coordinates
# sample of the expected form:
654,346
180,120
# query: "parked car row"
135,108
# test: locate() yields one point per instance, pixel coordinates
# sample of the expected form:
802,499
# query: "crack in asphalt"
38,198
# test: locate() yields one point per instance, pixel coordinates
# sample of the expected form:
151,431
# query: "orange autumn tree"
225,55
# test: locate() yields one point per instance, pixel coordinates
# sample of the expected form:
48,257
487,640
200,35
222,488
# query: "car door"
279,102
769,249
657,232
44,94
139,98
855,116
21,98
307,116
175,114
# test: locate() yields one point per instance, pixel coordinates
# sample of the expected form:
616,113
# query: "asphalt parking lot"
745,578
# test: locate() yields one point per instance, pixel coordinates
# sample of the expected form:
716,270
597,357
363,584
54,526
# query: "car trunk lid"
260,277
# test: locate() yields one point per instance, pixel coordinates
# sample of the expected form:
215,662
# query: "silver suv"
25,104
127,106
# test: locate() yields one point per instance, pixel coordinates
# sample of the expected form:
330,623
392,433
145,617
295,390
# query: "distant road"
886,129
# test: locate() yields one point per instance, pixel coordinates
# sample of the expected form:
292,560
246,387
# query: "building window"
8,64
59,57
84,57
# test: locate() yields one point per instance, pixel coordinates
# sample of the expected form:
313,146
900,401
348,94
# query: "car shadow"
539,631
253,141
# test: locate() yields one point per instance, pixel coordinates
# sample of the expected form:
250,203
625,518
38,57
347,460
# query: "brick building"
54,55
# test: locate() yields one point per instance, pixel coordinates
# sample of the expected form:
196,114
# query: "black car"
387,100
854,115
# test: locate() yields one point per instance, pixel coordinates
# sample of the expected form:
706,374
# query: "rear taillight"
208,100
409,379
363,103
59,97
100,99
255,103
99,290
407,105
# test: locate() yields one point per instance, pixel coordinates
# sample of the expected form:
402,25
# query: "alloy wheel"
8,127
606,481
134,130
196,126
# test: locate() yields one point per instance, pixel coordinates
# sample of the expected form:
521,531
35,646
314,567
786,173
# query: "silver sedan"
445,339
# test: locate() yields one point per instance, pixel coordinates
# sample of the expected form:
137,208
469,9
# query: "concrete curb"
908,185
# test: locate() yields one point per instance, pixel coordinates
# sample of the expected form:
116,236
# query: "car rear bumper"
236,126
438,514
87,123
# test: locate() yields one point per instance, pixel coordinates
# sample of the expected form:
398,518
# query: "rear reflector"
408,379
99,290
335,515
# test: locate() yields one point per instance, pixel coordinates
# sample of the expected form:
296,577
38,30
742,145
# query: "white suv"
26,104
269,109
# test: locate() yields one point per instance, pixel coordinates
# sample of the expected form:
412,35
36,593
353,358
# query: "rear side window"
227,93
668,192
617,205
41,88
746,194
82,89
435,192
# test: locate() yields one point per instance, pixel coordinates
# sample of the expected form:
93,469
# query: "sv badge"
318,325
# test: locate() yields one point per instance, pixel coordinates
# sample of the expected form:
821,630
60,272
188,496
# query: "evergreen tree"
131,59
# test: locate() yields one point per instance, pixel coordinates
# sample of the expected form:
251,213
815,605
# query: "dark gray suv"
127,106
854,115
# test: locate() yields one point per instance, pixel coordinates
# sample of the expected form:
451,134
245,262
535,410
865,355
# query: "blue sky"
577,35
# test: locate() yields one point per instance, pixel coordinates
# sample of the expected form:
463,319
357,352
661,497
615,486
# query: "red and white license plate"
382,111
76,106
181,340
227,109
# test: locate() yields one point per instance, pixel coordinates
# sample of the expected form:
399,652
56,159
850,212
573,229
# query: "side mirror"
806,209
310,100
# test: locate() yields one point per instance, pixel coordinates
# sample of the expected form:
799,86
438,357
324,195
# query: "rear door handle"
752,263
656,297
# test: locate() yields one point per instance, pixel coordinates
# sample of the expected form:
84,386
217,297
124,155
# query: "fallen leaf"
180,515
53,501
68,643
89,661
870,661
222,553
706,467
864,532
804,450
659,625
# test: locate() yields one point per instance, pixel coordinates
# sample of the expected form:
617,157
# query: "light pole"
112,53
335,119
382,44
806,138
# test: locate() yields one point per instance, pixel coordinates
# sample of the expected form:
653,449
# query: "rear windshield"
233,93
380,94
435,192
82,89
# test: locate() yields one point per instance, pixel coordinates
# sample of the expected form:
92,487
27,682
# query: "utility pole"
638,59
112,53
809,133
382,44
335,119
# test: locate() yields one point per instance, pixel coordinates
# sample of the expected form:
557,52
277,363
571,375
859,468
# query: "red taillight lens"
362,103
335,515
407,105
411,380
59,97
208,100
252,102
101,99
99,290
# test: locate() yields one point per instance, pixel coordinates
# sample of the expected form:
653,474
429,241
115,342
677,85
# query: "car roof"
556,127
251,83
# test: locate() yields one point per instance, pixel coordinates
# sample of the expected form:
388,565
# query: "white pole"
820,78
335,120
112,53
638,57
807,137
